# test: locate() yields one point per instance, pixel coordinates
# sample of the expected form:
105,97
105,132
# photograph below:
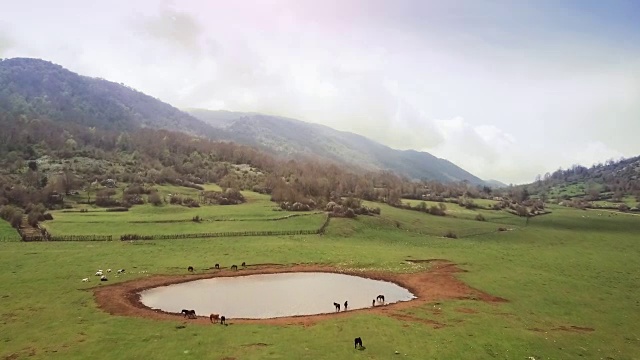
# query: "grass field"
562,269
257,214
7,233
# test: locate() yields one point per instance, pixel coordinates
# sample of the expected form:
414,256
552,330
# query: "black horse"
234,267
244,265
223,320
357,342
191,314
337,306
380,298
190,269
217,266
345,305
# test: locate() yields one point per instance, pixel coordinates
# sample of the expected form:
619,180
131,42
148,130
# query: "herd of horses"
234,267
217,318
214,318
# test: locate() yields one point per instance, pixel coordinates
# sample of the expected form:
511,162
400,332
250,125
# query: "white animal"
103,278
120,271
85,280
99,273
108,270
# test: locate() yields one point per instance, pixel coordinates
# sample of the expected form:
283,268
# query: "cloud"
5,43
176,28
525,88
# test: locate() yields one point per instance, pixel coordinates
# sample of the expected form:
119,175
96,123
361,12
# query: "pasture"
570,278
257,214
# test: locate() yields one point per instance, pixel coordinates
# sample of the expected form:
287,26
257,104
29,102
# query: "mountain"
38,88
495,184
290,137
35,88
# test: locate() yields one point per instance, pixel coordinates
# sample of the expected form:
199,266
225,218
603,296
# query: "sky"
505,89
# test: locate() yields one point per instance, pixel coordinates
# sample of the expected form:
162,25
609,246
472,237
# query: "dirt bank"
437,283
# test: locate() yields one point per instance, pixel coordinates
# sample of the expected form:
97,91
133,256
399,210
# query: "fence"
67,238
218,234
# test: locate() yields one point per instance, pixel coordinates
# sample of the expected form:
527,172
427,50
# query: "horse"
223,320
217,266
234,267
380,298
345,305
337,306
190,269
373,302
191,314
244,265
357,342
214,318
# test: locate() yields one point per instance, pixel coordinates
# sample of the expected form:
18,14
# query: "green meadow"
567,268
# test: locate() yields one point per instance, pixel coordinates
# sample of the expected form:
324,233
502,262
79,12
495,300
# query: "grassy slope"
562,269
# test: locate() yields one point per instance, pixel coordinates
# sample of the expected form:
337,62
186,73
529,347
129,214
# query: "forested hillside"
40,89
290,137
614,184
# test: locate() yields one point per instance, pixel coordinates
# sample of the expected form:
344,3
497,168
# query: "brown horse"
223,320
214,318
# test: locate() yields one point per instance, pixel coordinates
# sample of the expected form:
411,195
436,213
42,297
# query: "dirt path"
437,283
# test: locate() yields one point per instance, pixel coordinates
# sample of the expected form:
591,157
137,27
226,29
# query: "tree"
33,166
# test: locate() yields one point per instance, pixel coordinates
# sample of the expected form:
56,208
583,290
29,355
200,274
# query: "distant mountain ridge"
294,137
38,88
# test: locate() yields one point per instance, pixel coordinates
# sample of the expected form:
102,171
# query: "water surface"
273,295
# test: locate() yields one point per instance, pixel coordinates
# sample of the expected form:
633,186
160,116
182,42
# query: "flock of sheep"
102,275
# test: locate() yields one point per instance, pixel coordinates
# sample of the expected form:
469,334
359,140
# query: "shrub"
451,235
154,198
33,218
190,202
117,209
437,210
623,207
480,217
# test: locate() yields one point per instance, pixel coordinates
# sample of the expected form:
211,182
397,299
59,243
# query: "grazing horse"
357,342
337,306
217,266
234,267
380,298
190,269
345,305
214,318
223,320
244,265
191,314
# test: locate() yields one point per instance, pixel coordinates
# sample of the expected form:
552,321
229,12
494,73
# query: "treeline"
44,161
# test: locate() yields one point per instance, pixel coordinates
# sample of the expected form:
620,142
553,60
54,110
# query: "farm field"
257,214
570,280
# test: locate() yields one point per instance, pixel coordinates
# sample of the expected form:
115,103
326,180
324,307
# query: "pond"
273,295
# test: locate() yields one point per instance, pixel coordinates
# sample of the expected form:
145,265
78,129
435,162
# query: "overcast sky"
505,89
